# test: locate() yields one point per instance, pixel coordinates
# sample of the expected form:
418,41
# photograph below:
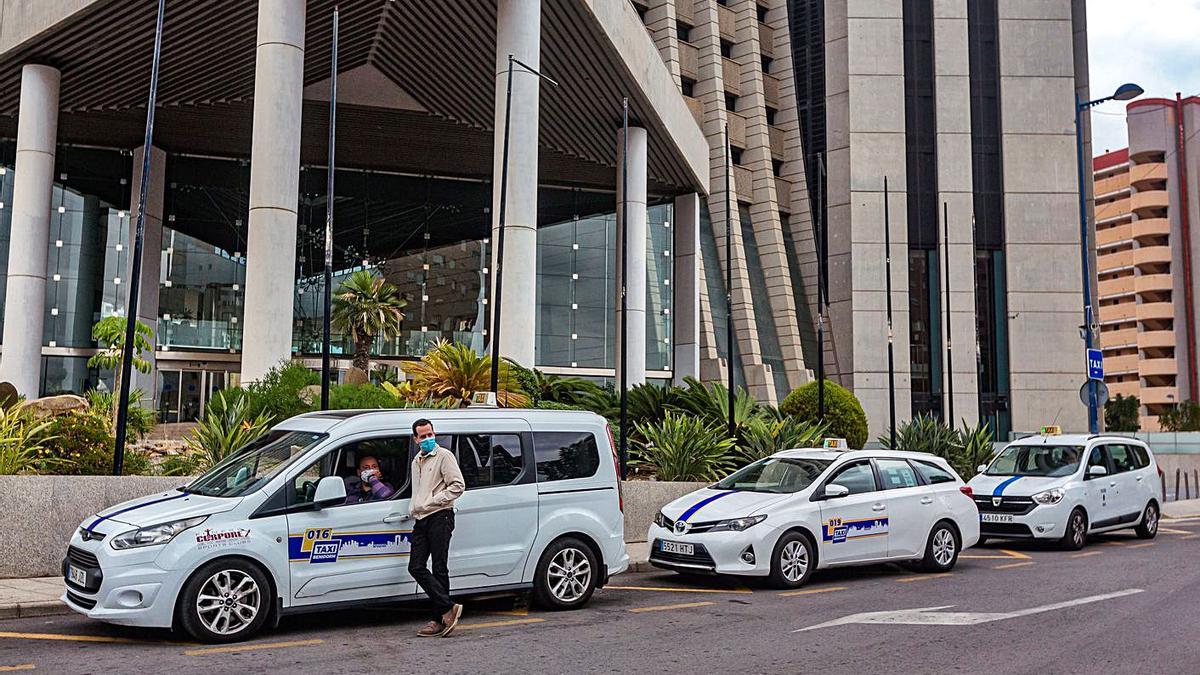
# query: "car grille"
1017,506
700,558
82,558
88,535
1005,530
696,528
83,602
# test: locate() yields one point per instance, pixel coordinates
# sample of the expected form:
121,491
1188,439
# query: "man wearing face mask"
436,483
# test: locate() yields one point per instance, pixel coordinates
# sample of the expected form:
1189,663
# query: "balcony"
1126,363
1115,261
1155,310
1160,366
1147,283
1158,395
1126,389
737,129
1124,311
1113,287
783,193
1112,235
1151,227
1113,209
766,39
697,109
689,60
1147,255
778,141
1116,338
727,20
1105,186
1155,339
1139,173
744,178
771,90
1150,199
731,74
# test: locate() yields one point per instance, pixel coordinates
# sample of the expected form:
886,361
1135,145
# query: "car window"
1098,457
896,474
932,473
1143,457
390,453
1122,458
857,477
253,466
782,475
1036,460
487,460
563,455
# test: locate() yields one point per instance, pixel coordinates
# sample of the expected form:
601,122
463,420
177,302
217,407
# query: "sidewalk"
1187,508
31,597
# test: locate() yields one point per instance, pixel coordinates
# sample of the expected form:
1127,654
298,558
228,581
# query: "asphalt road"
1121,605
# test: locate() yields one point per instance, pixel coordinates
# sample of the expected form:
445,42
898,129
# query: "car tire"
566,575
941,548
226,600
792,561
1075,535
1148,528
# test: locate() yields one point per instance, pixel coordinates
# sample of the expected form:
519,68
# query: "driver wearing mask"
368,485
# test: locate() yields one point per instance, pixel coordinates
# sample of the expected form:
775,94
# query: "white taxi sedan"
799,510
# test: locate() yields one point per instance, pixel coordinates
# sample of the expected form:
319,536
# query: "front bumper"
124,588
715,552
1044,521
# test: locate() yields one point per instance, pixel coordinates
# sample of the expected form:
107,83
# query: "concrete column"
685,280
635,285
147,309
274,187
518,32
33,184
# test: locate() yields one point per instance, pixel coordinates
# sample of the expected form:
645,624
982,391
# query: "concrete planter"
41,512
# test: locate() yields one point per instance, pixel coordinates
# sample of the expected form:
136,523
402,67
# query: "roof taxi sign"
838,444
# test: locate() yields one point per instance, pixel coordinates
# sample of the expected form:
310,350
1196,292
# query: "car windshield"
1036,460
249,468
783,475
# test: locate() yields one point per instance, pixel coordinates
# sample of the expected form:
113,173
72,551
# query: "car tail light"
966,490
612,444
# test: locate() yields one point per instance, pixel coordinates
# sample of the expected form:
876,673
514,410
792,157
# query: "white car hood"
1014,486
163,507
707,505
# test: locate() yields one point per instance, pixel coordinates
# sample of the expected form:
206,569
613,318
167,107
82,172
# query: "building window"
800,298
735,155
764,314
766,64
641,11
726,48
731,101
777,167
771,112
925,339
762,13
688,86
806,25
683,31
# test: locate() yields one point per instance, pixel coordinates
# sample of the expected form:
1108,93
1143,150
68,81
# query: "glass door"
168,396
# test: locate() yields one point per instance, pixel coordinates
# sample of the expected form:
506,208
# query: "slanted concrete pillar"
685,280
147,309
33,185
274,187
518,32
634,202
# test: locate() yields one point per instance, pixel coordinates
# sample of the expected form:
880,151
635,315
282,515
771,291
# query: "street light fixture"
1124,92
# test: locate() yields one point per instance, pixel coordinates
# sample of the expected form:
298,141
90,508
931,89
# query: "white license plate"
76,575
995,518
676,547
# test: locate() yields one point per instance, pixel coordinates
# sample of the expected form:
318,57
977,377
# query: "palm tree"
562,389
367,306
451,373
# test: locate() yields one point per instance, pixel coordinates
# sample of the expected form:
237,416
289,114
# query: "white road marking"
933,616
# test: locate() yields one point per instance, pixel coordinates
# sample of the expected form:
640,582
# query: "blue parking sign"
1095,363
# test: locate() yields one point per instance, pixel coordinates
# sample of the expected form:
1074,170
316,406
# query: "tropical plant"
965,449
766,435
555,405
453,372
182,464
604,402
360,397
843,413
22,442
710,402
109,332
682,447
364,307
1183,417
976,449
139,421
560,388
278,392
1122,413
226,426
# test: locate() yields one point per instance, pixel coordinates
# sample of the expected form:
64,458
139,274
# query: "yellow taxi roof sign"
835,444
1052,430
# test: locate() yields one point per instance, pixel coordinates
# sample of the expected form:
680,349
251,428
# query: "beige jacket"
436,483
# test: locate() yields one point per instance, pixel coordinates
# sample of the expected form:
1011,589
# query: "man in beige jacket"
436,483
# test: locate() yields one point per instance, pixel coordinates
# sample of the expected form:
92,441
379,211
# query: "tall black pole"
887,258
333,78
624,337
729,204
127,350
822,291
949,351
498,261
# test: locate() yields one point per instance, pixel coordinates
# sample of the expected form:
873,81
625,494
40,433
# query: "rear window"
563,455
932,473
1143,458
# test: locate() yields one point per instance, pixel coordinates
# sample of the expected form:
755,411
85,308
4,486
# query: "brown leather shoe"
432,629
450,619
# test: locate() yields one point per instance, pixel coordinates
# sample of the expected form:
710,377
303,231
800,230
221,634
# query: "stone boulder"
8,394
54,406
357,376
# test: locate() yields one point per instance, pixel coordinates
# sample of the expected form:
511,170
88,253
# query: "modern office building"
1147,246
965,107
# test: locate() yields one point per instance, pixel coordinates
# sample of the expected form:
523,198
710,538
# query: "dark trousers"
431,539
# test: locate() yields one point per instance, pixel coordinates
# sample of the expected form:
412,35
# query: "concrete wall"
41,513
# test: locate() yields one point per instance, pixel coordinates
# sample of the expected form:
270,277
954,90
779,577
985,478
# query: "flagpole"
329,175
127,350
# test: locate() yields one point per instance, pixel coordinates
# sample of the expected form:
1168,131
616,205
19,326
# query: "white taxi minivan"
799,510
1064,487
270,531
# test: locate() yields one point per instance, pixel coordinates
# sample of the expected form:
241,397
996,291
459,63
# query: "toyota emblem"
997,500
682,527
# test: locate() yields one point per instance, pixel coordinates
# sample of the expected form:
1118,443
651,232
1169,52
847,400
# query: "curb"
27,610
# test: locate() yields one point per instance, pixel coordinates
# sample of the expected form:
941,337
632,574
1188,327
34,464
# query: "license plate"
76,575
995,518
676,547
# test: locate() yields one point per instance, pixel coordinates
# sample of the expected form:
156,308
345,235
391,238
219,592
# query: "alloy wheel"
943,546
1151,519
1078,530
569,574
793,561
228,602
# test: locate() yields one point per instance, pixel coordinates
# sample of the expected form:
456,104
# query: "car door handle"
397,518
926,500
1139,478
878,507
1112,484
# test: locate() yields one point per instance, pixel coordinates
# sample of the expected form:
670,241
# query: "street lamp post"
1124,92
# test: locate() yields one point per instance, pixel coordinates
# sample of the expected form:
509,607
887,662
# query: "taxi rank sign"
1095,364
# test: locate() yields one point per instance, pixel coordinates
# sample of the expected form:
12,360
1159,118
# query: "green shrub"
81,444
1184,416
557,388
1122,414
843,413
525,379
964,449
139,421
765,436
278,393
227,425
555,405
682,447
360,397
23,442
183,464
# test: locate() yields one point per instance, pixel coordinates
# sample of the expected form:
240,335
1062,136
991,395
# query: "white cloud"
1150,42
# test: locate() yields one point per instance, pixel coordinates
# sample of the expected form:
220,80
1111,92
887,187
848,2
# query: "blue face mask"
428,445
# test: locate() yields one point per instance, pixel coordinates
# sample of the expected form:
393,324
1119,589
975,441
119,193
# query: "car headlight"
738,524
1052,496
662,521
155,534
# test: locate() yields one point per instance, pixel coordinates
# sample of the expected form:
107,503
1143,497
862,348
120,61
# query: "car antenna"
1053,423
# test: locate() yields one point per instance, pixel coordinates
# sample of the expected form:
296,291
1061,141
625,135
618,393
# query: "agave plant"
976,449
227,425
453,372
561,389
682,447
364,307
924,433
766,435
710,402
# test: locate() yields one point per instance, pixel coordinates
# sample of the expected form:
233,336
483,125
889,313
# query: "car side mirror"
981,468
835,491
331,491
1096,471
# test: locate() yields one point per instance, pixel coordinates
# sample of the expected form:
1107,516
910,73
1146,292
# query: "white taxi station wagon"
270,530
1064,487
799,510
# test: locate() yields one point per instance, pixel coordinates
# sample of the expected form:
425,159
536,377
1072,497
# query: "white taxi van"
1064,487
799,510
270,530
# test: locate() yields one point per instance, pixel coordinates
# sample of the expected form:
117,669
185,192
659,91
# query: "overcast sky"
1155,43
